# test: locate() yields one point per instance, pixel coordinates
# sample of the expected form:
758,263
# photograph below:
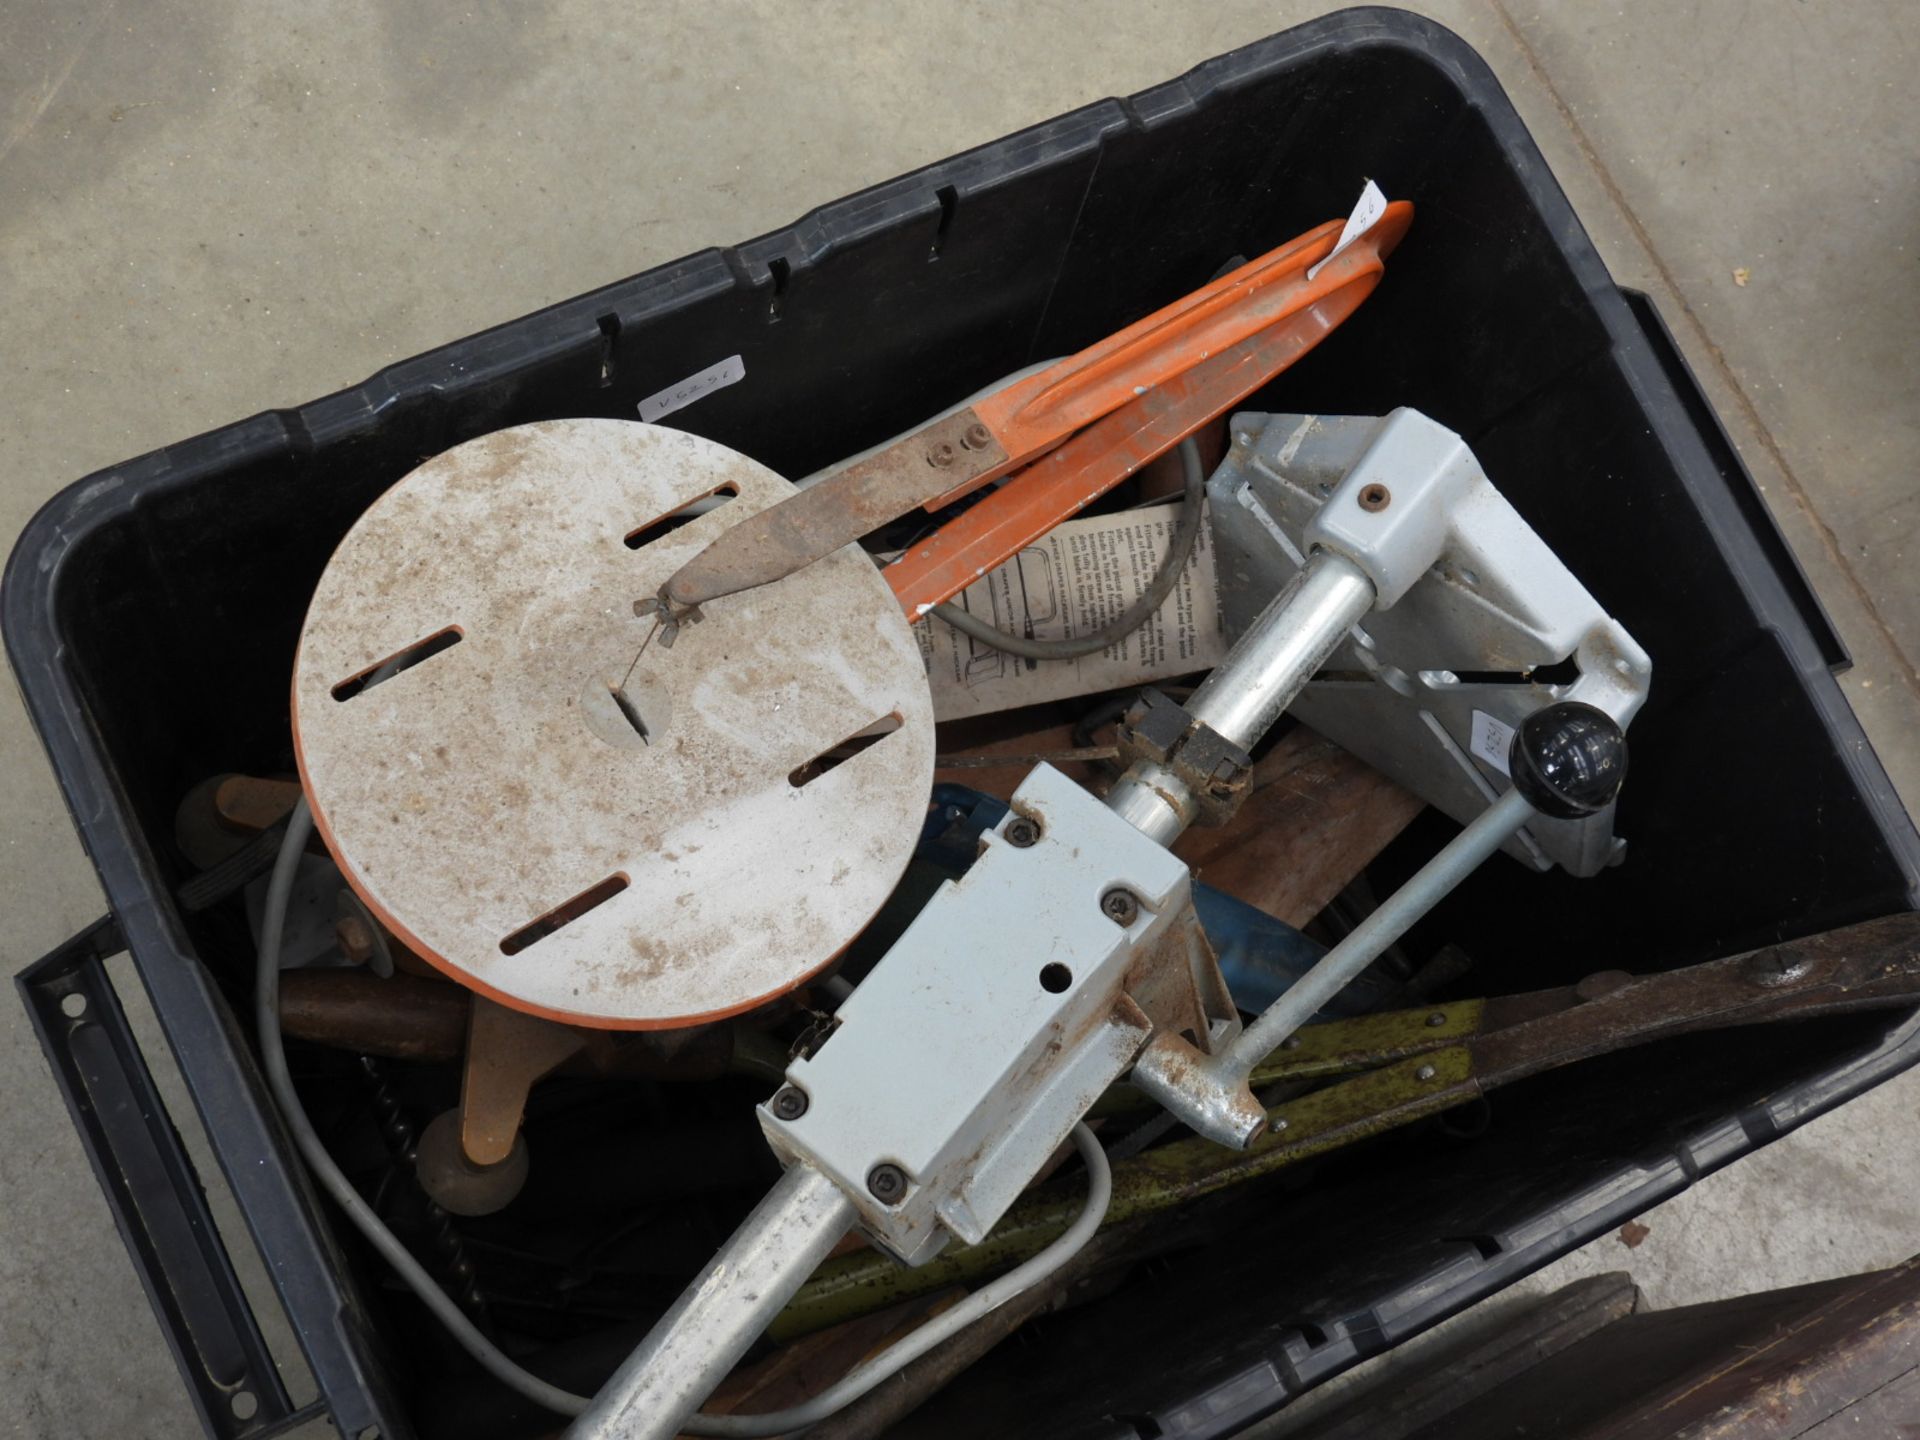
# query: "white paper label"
1492,739
1367,211
1077,577
730,371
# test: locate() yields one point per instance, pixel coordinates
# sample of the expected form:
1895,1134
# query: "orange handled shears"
1089,422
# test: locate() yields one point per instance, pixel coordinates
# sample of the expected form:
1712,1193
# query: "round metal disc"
533,790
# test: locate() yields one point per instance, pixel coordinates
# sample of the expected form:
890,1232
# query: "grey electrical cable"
273,1058
942,1327
1186,534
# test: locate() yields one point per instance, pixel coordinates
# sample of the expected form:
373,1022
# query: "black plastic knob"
1568,760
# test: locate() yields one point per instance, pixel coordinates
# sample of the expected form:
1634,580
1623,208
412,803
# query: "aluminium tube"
1397,914
721,1314
1247,691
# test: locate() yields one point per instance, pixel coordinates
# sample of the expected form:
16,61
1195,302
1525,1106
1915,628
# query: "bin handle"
153,1190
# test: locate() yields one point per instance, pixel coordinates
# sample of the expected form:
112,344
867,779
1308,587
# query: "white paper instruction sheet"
1072,581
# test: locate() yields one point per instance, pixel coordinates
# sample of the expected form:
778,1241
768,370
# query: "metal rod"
1145,797
1286,644
1490,829
721,1314
1248,691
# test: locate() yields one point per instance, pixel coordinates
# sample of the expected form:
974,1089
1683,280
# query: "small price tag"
1367,211
1492,740
730,371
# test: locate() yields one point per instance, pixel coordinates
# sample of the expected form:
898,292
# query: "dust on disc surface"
480,780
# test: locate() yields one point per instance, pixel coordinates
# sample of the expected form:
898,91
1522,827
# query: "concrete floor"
208,209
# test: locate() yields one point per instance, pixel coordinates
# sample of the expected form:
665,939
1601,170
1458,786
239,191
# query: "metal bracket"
152,1190
1020,1030
1474,619
1213,768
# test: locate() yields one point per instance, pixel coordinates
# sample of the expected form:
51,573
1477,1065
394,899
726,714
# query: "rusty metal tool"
1392,1069
1089,421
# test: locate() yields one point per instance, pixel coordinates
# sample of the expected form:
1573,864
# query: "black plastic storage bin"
151,612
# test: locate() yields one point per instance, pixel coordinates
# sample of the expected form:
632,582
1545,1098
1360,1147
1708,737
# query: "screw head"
940,456
1021,833
1120,906
976,436
1276,1124
887,1183
1425,1072
1436,1019
1375,497
789,1104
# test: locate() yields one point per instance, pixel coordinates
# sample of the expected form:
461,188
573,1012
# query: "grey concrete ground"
209,209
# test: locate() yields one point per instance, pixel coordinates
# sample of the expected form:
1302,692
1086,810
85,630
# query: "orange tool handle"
1033,415
1290,315
956,455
